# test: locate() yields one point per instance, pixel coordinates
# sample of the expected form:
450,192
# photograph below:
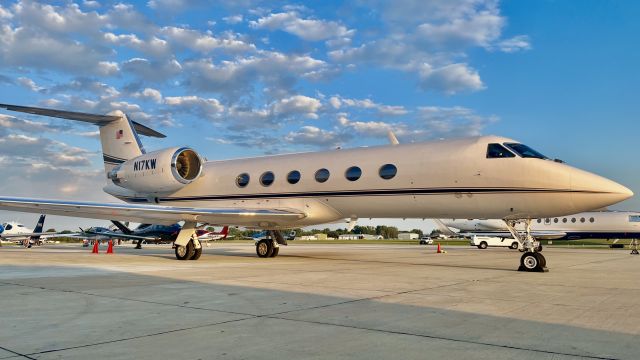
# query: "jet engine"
162,171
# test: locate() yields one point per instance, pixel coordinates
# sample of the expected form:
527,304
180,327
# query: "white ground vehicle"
482,242
426,240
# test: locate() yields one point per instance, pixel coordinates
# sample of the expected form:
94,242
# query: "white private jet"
479,177
17,232
586,225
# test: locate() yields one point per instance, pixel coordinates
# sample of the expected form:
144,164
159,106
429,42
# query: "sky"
244,78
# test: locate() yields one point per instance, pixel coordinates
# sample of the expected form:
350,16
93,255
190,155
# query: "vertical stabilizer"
120,141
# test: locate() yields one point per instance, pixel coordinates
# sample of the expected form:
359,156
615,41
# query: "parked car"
426,240
483,242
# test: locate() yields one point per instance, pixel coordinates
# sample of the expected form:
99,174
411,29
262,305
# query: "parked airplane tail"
125,230
224,232
38,228
118,134
444,229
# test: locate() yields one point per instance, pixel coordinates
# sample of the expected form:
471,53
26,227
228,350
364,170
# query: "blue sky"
253,77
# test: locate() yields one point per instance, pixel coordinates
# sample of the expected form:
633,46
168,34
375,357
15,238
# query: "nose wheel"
532,260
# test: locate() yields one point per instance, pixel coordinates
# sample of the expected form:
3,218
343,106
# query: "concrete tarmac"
317,302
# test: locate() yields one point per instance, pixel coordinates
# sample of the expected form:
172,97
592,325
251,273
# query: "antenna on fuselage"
392,138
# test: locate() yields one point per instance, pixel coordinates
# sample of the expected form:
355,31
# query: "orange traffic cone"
110,248
95,247
439,249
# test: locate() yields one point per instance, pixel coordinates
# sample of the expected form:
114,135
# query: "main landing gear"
270,246
532,260
187,246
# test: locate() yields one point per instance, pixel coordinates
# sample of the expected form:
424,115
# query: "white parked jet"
17,232
479,177
586,225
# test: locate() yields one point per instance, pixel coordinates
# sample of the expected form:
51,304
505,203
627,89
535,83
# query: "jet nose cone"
591,191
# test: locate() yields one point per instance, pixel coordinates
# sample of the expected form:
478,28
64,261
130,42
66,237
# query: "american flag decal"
119,134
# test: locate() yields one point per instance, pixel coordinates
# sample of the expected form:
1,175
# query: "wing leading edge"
153,214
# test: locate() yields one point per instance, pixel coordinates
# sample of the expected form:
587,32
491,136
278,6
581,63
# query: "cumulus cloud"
376,129
428,39
297,105
150,94
152,71
29,84
206,108
12,123
23,149
84,85
450,79
338,102
236,78
449,122
307,29
311,135
480,28
515,44
233,19
204,43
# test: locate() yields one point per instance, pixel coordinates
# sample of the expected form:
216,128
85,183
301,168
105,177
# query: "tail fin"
444,229
118,134
125,230
38,228
225,232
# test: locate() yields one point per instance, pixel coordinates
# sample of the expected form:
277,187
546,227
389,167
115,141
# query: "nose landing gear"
532,260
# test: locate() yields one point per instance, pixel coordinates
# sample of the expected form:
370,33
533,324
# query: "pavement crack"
445,338
16,353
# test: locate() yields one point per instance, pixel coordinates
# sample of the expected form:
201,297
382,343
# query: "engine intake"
186,165
162,171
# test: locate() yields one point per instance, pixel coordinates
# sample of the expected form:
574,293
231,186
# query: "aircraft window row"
387,171
496,151
634,218
573,220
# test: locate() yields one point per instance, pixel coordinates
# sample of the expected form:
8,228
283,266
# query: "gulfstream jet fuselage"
480,177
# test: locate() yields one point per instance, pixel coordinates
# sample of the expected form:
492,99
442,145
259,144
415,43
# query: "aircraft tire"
532,262
275,252
185,252
541,260
539,248
264,248
196,254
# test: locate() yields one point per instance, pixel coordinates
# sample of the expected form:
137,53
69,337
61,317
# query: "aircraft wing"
152,214
539,235
11,236
116,235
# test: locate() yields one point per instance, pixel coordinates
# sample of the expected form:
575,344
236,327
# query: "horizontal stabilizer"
99,120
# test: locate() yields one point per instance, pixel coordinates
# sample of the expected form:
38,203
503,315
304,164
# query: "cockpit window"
525,151
498,151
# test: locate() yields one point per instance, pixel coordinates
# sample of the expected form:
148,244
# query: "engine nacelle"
162,171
